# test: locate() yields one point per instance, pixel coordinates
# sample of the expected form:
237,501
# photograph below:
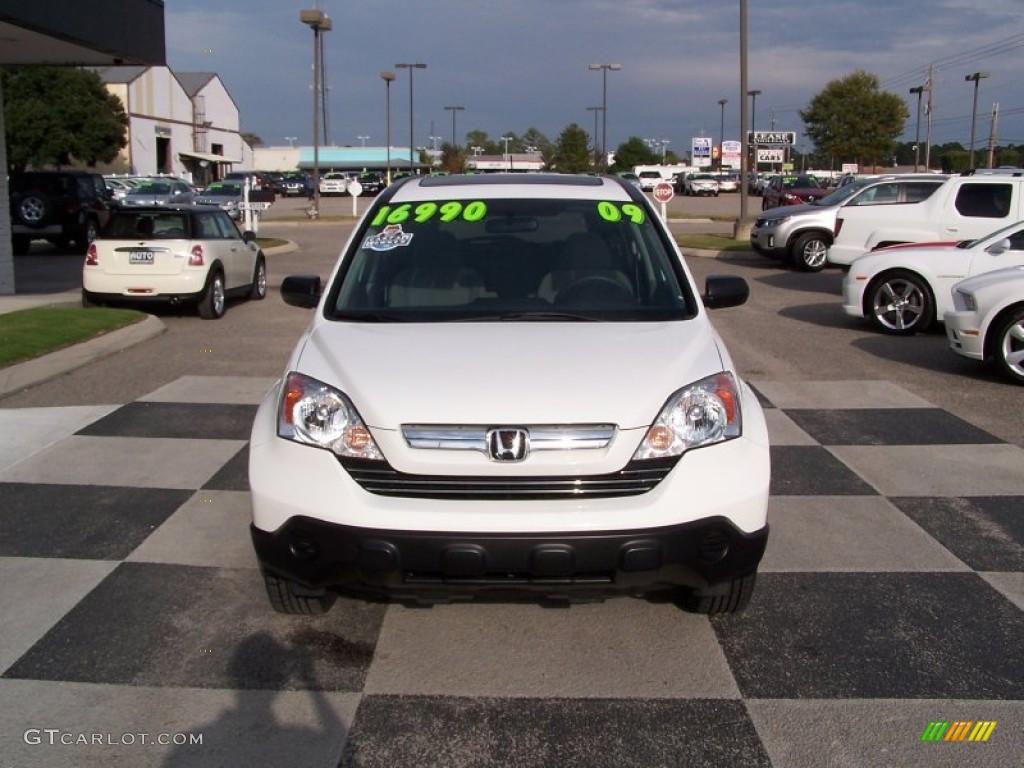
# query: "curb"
17,377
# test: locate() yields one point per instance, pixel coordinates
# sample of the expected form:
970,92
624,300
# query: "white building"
181,123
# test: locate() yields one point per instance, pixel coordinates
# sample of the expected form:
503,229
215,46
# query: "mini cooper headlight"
314,413
701,414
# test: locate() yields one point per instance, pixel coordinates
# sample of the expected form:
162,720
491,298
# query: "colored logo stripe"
982,730
958,730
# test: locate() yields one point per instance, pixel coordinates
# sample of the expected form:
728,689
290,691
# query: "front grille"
635,478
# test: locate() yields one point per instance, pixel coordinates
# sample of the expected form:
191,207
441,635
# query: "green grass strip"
29,333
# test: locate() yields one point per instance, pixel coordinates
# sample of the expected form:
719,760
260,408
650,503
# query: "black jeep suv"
59,206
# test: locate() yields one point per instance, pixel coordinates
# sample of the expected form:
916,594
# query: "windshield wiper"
370,317
530,315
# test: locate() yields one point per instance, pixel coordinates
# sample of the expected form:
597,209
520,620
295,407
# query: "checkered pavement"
890,596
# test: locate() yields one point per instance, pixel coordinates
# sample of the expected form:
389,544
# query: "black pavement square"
986,532
416,731
887,426
213,421
234,475
875,635
170,625
810,470
88,522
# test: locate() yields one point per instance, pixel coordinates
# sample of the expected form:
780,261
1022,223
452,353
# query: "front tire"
1009,346
258,289
810,252
288,597
730,597
212,304
900,303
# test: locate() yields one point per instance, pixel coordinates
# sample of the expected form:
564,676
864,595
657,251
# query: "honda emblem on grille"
508,444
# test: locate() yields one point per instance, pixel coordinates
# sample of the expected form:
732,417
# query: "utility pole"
929,109
992,136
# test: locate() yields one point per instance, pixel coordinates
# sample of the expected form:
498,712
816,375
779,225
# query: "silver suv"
802,234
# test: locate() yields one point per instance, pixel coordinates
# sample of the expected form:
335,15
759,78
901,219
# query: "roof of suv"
516,184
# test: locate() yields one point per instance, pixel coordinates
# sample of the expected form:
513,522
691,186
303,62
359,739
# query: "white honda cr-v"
510,384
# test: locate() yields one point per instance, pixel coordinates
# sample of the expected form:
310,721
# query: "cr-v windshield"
510,259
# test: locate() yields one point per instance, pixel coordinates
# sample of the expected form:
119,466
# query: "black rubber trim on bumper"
400,564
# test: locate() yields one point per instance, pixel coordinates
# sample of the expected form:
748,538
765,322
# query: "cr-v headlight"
703,413
313,413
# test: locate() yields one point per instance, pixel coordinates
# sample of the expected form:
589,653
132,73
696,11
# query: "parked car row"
918,249
975,287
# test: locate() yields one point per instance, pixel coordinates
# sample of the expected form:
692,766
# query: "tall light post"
454,110
975,77
388,78
597,155
507,139
919,90
363,140
411,68
721,131
317,20
604,104
291,140
753,123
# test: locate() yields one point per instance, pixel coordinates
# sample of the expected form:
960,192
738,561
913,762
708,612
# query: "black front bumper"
416,564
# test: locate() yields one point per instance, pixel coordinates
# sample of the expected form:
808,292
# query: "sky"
521,64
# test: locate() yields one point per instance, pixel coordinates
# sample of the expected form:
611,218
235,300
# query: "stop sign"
663,192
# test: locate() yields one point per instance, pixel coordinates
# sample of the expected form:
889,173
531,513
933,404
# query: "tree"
60,116
252,139
453,159
853,120
571,152
632,152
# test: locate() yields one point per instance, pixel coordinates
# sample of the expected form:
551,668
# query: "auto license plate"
140,257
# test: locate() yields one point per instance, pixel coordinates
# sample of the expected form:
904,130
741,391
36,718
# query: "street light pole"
596,111
388,78
412,143
976,77
317,20
604,105
721,131
454,110
507,139
753,121
918,89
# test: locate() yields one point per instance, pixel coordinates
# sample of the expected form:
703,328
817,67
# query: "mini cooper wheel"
288,597
730,597
1009,346
810,252
900,303
211,305
258,289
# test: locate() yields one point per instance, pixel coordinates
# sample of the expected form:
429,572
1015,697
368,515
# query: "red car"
791,190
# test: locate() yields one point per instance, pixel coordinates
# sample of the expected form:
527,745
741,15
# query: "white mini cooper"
510,384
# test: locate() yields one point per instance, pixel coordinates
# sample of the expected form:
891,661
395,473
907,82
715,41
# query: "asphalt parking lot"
890,597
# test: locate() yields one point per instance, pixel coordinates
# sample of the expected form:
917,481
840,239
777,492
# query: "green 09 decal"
424,212
615,212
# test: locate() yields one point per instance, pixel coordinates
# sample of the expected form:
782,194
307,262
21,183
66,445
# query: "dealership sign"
700,151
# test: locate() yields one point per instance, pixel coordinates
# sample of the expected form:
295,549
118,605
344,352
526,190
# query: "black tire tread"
731,597
283,598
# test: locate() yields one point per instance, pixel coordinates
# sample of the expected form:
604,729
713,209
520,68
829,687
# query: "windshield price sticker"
614,212
424,212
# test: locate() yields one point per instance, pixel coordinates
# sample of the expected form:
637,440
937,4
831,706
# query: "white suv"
510,383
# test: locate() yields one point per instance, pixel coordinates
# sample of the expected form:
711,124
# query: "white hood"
510,372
